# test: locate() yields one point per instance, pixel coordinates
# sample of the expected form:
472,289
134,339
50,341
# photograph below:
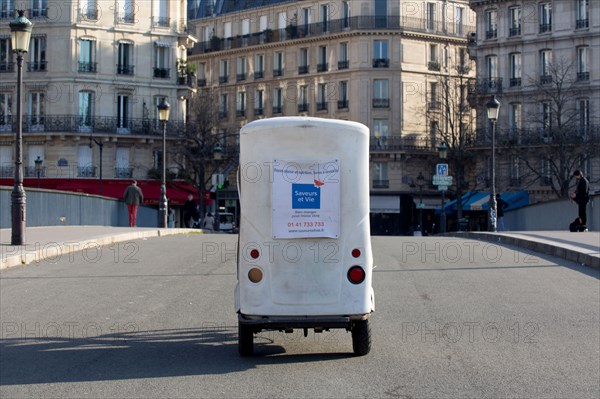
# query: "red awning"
177,192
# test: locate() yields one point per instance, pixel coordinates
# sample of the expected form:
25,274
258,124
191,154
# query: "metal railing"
343,64
7,67
89,124
37,66
87,66
125,69
356,23
343,104
123,173
398,143
381,103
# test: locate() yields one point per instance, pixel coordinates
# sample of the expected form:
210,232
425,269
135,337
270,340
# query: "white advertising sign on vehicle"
306,199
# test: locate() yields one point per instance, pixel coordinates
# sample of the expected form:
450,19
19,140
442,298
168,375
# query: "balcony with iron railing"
545,28
381,183
259,111
123,173
161,73
125,69
259,75
277,109
583,76
88,14
381,103
491,34
322,67
37,66
240,113
277,72
545,79
514,31
202,82
77,124
86,171
345,64
582,23
126,18
343,104
433,66
514,82
240,77
356,23
223,79
321,106
161,22
398,143
538,136
185,79
381,62
7,171
32,171
303,107
7,66
302,69
489,86
7,13
87,66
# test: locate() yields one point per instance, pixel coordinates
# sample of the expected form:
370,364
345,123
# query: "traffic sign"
442,169
440,180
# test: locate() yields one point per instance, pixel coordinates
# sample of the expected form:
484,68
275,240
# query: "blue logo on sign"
306,196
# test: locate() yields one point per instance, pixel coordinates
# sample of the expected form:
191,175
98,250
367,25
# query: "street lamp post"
421,183
100,145
38,169
163,115
443,151
20,30
493,108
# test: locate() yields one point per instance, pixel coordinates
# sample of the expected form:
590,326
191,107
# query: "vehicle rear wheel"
245,339
361,337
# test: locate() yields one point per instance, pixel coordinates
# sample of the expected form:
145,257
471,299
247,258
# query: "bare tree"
455,119
562,136
203,136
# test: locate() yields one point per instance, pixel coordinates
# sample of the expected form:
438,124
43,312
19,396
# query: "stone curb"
541,247
54,250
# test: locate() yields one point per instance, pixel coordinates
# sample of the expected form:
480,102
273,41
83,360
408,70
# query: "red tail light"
355,252
254,254
356,275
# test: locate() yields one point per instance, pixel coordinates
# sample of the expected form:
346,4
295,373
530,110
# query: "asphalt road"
154,318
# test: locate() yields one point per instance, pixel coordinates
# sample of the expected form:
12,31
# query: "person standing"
133,197
190,211
501,205
581,196
209,222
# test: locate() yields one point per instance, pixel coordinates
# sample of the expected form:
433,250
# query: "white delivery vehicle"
304,254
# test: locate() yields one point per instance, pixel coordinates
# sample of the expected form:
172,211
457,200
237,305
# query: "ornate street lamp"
38,169
20,30
443,151
493,108
164,109
100,145
421,183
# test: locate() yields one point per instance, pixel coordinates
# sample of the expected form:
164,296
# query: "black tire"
245,340
361,337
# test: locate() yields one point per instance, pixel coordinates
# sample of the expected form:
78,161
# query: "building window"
37,54
515,179
86,111
277,100
122,169
303,62
582,14
380,54
7,9
5,112
240,109
491,67
124,56
546,110
241,69
259,102
491,24
160,13
380,175
223,106
161,61
245,32
345,14
322,65
123,114
459,20
343,62
223,71
380,132
583,73
85,167
303,99
380,94
88,10
202,74
433,64
514,117
433,103
322,97
87,55
583,107
515,69
36,111
343,95
6,56
545,66
259,66
430,16
126,12
325,17
278,64
514,21
545,17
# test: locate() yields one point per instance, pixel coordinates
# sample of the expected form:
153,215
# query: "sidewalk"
55,241
582,248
